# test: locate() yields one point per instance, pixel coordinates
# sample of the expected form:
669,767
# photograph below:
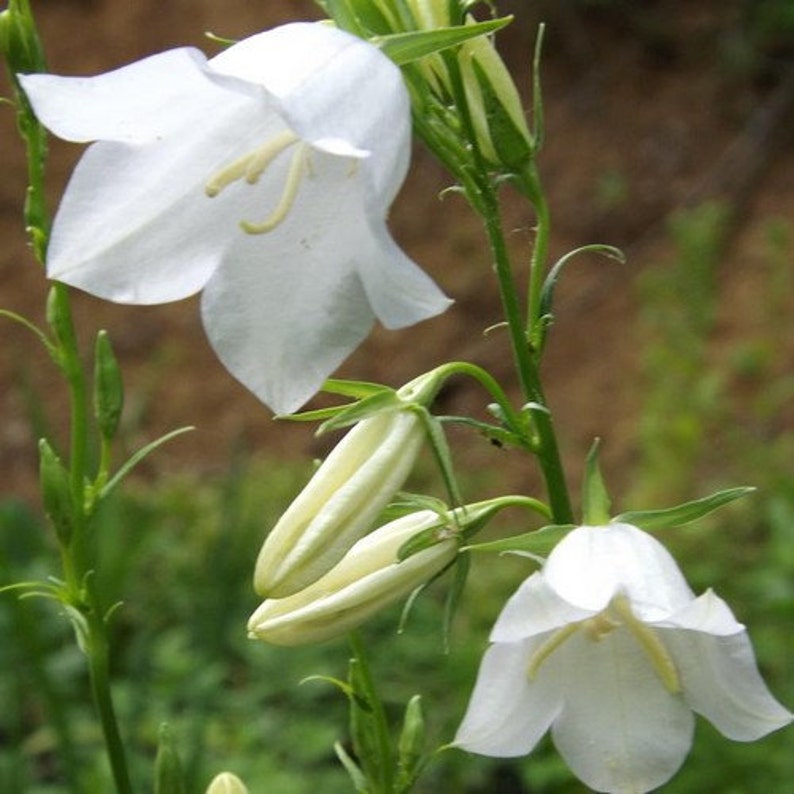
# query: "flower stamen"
251,165
294,176
657,654
617,614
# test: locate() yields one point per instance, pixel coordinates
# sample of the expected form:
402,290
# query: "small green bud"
226,783
59,316
168,775
108,387
19,41
412,737
55,492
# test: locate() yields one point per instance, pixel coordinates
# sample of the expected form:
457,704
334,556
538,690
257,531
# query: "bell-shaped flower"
368,577
261,177
608,647
340,502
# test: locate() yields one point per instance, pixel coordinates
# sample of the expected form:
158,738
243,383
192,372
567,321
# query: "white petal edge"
534,609
591,565
137,103
719,673
507,714
620,730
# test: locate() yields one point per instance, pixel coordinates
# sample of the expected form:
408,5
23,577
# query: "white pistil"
287,199
663,665
617,614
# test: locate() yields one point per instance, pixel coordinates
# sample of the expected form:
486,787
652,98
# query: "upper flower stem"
525,358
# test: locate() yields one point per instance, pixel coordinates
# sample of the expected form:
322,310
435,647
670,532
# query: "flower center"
251,166
617,614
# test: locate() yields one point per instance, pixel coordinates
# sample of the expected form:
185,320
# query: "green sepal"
403,48
538,543
357,389
420,541
442,453
510,144
550,282
684,513
168,775
595,499
362,18
380,402
108,387
56,492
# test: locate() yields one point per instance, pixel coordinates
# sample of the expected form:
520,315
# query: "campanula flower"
262,178
608,647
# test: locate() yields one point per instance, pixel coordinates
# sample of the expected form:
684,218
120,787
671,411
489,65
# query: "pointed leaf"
539,542
681,514
403,48
381,401
595,499
136,458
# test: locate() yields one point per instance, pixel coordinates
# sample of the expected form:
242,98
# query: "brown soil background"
650,95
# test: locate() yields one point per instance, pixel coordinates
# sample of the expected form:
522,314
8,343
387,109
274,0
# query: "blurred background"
670,132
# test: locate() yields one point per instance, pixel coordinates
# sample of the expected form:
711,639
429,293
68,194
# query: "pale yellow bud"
340,503
226,783
367,578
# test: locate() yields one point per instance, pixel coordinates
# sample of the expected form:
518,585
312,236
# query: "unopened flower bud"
368,577
340,503
108,387
226,783
494,104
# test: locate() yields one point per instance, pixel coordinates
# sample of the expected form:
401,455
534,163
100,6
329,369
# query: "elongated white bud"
367,578
340,503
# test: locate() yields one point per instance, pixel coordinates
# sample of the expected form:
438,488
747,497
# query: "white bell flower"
608,647
261,177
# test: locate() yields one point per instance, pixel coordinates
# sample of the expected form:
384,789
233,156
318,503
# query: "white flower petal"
138,103
534,609
591,565
155,236
282,313
508,714
620,730
280,328
720,677
338,93
398,290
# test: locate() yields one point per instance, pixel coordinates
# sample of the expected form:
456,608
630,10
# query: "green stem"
540,251
526,364
76,559
99,670
377,714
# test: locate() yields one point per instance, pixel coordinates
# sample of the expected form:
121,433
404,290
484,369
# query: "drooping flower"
262,177
609,648
368,577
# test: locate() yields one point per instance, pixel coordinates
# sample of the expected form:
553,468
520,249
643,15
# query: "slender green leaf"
684,513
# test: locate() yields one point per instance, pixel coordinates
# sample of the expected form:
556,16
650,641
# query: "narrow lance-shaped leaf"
684,513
